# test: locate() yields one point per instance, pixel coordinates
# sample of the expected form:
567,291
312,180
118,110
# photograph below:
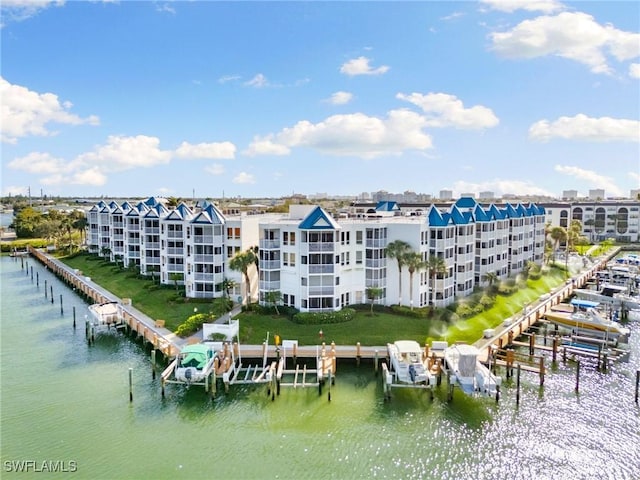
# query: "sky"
268,99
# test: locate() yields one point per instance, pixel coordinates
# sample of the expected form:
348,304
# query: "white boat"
466,370
194,363
407,365
615,295
106,314
583,314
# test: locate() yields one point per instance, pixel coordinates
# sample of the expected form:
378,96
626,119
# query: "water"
63,401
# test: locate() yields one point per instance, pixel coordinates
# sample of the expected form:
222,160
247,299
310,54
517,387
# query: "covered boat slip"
464,369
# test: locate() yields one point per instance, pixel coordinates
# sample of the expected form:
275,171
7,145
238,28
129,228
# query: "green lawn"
162,303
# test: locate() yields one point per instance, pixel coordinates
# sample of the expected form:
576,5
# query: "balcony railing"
269,244
176,251
321,268
269,286
269,264
172,267
376,263
208,239
204,277
152,260
376,243
324,291
151,230
321,247
379,283
209,258
152,245
174,234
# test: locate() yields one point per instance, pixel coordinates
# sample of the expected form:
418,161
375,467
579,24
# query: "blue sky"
265,99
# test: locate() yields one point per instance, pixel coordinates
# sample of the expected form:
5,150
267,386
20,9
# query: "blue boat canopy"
584,303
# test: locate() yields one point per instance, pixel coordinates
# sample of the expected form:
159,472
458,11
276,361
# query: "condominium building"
601,219
317,262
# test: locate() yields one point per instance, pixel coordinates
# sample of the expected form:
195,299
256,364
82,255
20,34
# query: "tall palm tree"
372,294
414,262
241,263
573,233
558,235
226,285
397,250
491,278
435,266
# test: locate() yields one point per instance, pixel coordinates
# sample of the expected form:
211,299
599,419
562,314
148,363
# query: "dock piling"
637,384
130,384
51,286
61,307
153,364
577,376
45,290
518,385
74,317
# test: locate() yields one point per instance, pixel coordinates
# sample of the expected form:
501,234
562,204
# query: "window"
359,258
359,237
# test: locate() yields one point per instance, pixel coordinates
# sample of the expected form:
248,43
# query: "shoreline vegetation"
466,321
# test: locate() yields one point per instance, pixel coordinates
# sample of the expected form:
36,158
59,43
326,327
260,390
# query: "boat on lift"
584,315
465,370
408,365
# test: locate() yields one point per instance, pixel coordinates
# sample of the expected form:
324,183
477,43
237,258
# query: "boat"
584,315
407,364
465,370
106,314
194,363
615,295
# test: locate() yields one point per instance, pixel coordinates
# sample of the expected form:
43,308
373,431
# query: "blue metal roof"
384,206
437,218
482,215
318,219
466,202
458,217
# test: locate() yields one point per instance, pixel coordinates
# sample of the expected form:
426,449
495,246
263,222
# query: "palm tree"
558,235
414,262
241,263
226,285
573,233
436,266
491,278
273,297
397,249
372,294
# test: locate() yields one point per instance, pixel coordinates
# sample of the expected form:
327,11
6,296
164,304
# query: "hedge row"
314,318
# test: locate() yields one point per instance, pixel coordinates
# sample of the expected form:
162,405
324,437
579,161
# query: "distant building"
634,194
445,195
486,196
569,195
596,194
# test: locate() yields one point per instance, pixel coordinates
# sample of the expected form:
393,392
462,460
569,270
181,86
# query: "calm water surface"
64,401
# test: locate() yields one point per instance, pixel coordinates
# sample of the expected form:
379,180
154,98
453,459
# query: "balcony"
321,247
321,269
376,243
269,244
379,283
152,245
204,277
378,263
320,291
152,260
174,234
151,230
175,268
269,286
207,239
269,264
175,251
202,258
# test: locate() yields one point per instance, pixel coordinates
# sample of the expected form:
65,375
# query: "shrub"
315,318
192,324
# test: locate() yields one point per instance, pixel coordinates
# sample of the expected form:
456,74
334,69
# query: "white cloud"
266,146
25,112
340,98
18,10
216,150
581,127
573,35
245,178
634,70
354,135
360,66
215,169
635,176
229,78
510,6
452,16
37,162
594,179
443,110
500,187
124,153
165,8
259,81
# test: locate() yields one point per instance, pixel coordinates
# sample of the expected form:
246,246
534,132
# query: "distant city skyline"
267,99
